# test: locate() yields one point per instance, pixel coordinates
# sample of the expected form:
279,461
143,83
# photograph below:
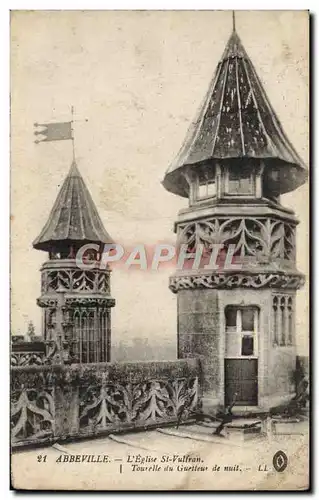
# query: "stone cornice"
77,300
90,301
66,264
198,213
228,281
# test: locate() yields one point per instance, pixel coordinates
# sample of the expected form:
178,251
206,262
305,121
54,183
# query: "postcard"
160,250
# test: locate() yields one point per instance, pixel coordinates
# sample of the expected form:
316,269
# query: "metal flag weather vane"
54,131
61,131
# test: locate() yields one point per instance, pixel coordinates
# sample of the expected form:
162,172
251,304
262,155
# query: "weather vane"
59,131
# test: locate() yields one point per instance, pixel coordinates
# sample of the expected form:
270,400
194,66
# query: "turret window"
240,182
206,189
242,327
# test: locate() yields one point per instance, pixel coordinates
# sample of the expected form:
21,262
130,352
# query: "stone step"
290,427
197,435
241,423
233,432
252,412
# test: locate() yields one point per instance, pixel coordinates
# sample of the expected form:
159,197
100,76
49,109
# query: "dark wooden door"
241,376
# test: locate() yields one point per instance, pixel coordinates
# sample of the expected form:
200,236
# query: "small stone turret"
76,302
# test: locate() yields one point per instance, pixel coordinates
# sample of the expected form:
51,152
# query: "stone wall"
199,335
59,402
280,381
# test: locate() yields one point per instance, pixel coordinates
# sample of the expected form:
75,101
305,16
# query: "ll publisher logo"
280,461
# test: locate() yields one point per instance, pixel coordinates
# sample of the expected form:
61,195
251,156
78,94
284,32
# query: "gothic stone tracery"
75,280
251,236
50,403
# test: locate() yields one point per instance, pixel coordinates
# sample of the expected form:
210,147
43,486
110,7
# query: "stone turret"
76,302
235,163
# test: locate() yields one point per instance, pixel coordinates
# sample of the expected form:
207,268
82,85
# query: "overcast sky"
138,77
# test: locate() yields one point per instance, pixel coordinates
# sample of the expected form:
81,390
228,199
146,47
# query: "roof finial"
234,22
73,141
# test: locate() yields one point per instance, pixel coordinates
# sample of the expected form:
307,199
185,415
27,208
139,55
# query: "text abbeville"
84,458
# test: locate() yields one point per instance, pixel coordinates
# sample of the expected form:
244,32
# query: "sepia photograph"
159,226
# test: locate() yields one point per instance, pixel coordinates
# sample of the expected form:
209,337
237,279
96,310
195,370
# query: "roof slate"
235,121
74,216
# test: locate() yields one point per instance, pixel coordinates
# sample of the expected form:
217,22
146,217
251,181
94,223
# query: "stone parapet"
50,403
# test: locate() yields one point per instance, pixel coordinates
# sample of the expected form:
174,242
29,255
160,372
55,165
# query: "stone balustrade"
64,274
58,402
27,353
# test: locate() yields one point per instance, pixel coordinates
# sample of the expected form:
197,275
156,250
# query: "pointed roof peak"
74,216
234,47
236,121
74,171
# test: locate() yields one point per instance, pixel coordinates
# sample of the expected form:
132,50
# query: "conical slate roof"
74,217
235,121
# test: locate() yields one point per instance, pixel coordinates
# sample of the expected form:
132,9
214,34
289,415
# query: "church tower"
76,302
233,167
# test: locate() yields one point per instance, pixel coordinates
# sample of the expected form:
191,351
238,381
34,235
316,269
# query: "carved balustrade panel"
256,237
27,359
147,402
282,240
57,402
32,405
75,280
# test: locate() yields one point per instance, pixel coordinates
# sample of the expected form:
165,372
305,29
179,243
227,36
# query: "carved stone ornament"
260,236
47,302
237,280
78,301
27,358
107,404
32,414
75,280
90,301
52,402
